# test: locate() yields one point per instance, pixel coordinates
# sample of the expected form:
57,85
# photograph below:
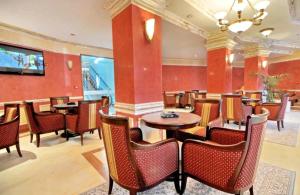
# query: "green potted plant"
270,84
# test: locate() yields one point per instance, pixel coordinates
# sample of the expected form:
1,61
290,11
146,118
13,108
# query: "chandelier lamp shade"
240,23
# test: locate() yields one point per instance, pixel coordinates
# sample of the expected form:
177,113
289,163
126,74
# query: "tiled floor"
60,167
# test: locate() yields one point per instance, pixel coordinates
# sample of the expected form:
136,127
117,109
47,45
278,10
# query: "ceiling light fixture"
266,31
241,24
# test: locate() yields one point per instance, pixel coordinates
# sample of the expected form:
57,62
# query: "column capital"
218,40
153,6
256,50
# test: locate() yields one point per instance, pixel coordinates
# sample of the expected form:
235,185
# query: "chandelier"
241,24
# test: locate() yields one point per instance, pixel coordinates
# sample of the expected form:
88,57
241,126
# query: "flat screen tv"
17,60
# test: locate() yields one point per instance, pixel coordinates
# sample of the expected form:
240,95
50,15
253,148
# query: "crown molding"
286,58
157,7
256,50
14,35
219,39
184,62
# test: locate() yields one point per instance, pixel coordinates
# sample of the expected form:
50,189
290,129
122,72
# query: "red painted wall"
292,68
183,78
138,68
219,72
237,78
58,80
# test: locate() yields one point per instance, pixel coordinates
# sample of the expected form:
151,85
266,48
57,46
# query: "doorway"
98,78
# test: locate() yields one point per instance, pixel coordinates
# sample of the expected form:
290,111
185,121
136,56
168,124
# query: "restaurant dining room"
144,97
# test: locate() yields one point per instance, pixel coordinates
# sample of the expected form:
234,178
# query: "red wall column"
254,58
253,66
219,70
138,66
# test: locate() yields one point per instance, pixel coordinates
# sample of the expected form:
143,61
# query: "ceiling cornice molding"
293,57
218,40
200,6
19,36
116,6
156,7
183,62
254,50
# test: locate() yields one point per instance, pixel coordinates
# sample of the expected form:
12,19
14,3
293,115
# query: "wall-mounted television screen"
17,60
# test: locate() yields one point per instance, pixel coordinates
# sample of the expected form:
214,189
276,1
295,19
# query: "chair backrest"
170,100
30,118
105,104
254,94
232,107
284,101
208,109
255,130
122,167
88,115
11,111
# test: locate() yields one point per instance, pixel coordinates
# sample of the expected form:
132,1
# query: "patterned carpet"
286,136
270,180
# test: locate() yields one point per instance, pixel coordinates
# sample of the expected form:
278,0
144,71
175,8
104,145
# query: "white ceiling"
58,18
91,23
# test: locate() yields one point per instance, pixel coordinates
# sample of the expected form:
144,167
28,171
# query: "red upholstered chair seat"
88,117
229,160
277,110
9,127
43,122
209,111
134,166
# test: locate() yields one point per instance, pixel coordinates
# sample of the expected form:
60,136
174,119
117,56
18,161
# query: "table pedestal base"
70,134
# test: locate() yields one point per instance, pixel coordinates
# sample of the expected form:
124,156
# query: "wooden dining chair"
9,128
254,95
234,109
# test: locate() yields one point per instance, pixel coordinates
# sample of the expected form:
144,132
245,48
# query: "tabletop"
185,120
65,106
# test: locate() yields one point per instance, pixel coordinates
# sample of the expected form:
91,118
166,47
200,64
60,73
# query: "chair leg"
67,135
99,132
282,124
7,149
251,191
183,184
31,137
227,121
56,132
240,124
81,138
38,140
18,149
176,182
133,192
111,183
278,125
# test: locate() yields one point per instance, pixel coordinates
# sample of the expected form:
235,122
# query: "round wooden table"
171,125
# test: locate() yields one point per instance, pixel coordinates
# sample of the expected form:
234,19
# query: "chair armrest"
156,161
50,121
207,161
226,136
135,134
218,122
